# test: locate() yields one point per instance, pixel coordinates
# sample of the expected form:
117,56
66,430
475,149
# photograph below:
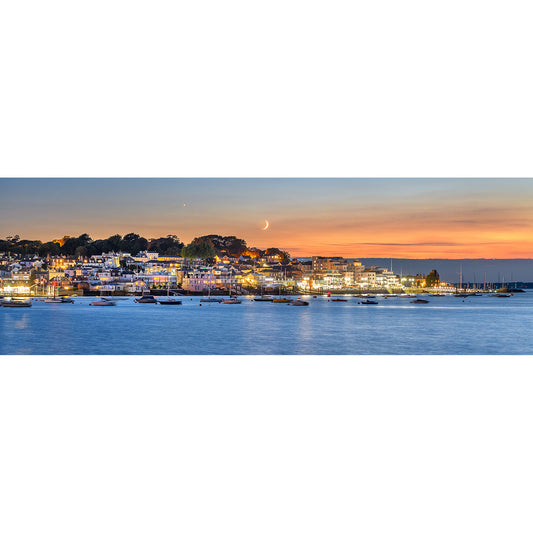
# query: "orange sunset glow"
403,218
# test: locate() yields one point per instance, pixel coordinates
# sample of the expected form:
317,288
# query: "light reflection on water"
476,325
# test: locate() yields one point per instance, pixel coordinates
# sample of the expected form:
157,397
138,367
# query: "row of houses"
121,272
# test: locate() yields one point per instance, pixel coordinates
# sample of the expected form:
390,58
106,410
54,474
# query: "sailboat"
58,299
460,294
210,299
169,301
281,300
231,300
263,298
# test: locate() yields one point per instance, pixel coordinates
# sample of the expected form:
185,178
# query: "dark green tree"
113,243
432,279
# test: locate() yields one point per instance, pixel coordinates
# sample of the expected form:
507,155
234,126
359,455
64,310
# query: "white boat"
368,302
59,300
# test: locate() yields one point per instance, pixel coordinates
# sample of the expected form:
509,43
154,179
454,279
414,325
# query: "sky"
350,217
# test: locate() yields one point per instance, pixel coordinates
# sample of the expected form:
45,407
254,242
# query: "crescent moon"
266,225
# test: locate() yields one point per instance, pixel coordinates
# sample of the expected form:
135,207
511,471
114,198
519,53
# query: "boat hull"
16,304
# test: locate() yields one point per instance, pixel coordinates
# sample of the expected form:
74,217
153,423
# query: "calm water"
447,325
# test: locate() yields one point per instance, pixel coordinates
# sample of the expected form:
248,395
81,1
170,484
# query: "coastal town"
208,265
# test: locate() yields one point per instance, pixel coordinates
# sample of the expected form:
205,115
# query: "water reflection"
444,326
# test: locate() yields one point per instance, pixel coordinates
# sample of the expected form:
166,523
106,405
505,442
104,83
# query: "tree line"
205,247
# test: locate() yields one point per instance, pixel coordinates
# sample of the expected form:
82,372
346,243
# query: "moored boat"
103,303
281,300
231,301
169,300
368,302
146,299
299,303
419,301
59,300
16,303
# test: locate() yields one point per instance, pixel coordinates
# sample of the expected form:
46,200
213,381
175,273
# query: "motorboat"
231,301
369,302
282,300
299,303
104,302
419,301
146,299
16,303
338,300
59,300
